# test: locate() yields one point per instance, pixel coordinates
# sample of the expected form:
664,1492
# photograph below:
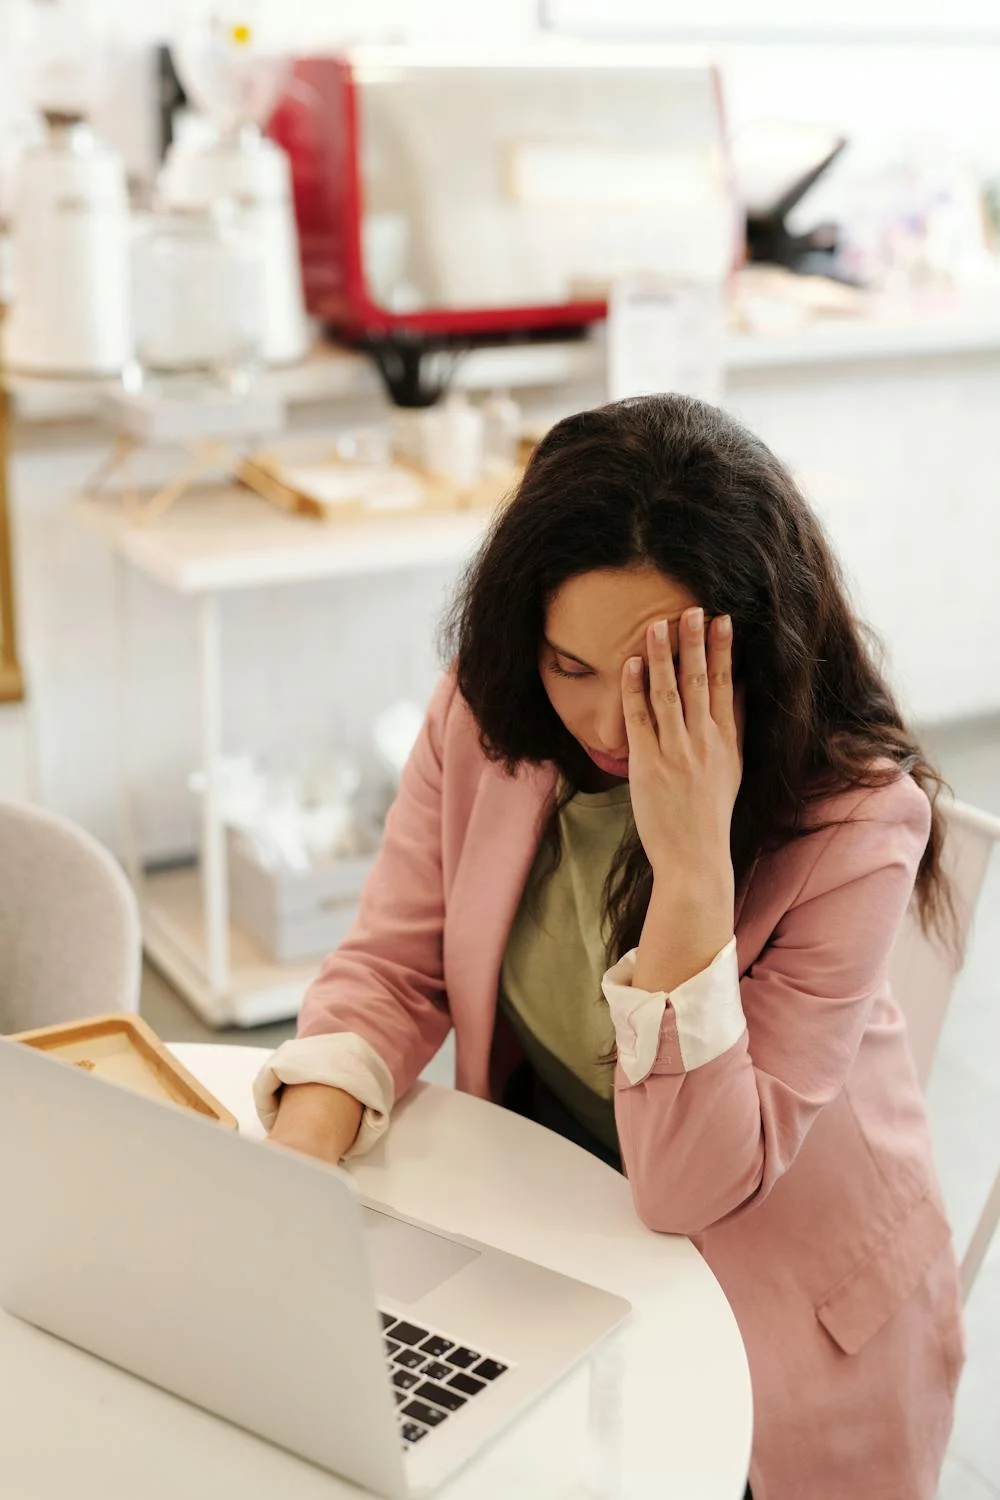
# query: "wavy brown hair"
669,482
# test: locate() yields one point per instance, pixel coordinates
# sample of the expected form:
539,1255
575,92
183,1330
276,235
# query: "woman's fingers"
664,694
639,726
686,697
693,674
720,672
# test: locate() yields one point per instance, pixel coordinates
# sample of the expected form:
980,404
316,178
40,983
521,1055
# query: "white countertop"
332,374
225,539
843,340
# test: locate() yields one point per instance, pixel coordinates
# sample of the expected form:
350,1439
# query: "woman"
649,858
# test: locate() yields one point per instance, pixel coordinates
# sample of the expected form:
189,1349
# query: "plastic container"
198,296
292,914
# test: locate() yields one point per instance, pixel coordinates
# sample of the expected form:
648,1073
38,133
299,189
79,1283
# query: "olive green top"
556,956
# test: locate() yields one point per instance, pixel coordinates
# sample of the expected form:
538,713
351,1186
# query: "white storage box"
293,916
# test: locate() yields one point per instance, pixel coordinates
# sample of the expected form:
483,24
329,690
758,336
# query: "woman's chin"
610,765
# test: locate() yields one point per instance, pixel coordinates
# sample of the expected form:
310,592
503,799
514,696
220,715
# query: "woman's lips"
609,763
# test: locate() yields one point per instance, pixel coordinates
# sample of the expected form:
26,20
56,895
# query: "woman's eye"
562,672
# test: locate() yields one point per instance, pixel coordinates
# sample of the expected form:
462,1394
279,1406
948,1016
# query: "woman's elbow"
673,1208
657,1217
665,1215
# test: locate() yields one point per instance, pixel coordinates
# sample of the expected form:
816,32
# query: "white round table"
663,1408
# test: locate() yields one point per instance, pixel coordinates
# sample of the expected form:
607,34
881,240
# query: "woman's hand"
684,773
684,755
317,1121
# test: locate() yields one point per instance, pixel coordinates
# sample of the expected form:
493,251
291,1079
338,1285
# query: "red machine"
442,201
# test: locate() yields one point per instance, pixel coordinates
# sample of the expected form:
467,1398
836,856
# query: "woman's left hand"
684,749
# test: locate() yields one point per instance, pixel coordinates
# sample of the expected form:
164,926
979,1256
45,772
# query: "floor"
964,1102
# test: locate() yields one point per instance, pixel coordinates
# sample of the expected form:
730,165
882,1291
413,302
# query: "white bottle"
457,441
71,312
501,431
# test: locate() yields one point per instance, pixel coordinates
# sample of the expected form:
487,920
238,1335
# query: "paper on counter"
665,335
380,488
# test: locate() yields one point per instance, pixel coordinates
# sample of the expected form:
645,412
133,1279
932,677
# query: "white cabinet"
898,459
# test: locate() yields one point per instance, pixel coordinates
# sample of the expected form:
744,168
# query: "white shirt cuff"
341,1059
707,1010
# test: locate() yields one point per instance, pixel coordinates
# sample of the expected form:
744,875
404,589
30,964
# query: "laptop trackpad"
408,1262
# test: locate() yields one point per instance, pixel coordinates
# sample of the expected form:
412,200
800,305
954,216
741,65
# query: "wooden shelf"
261,992
227,538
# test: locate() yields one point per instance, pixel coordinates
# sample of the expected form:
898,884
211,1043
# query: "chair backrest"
70,941
924,971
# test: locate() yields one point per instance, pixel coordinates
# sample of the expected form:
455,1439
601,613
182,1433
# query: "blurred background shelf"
228,538
330,374
259,992
209,545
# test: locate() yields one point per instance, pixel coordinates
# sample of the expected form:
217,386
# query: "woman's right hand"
317,1121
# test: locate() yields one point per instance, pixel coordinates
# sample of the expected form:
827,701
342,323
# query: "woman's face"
595,622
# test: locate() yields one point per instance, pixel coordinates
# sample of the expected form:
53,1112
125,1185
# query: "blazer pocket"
875,1290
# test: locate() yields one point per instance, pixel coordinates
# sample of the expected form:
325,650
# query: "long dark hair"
670,482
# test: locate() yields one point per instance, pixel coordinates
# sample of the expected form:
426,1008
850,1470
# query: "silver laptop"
256,1284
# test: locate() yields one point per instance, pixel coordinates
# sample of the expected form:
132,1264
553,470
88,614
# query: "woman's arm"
684,774
718,1082
317,1120
701,1142
378,1012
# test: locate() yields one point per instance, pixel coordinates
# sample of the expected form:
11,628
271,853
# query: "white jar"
501,431
456,438
198,295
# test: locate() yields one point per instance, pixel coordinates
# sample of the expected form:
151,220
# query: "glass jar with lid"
198,295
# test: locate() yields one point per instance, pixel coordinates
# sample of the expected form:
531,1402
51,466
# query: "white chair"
924,973
70,943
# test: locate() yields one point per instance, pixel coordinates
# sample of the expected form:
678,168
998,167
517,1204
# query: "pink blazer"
799,1161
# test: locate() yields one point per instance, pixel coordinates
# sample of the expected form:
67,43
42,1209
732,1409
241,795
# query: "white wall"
441,22
878,94
878,97
340,22
781,19
14,753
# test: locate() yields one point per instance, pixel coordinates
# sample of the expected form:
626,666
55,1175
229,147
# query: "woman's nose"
612,738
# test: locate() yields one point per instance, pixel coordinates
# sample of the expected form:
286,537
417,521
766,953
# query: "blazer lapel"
747,949
499,849
743,890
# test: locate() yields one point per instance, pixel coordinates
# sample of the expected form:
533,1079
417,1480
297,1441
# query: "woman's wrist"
689,921
317,1119
711,869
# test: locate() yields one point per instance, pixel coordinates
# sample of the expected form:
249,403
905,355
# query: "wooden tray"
123,1049
263,474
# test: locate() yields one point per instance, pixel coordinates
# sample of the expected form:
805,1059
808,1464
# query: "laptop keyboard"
432,1376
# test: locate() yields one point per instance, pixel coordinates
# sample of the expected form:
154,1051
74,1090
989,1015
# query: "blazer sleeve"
385,983
701,1143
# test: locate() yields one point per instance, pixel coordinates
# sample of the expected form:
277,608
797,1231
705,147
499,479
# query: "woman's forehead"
605,612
